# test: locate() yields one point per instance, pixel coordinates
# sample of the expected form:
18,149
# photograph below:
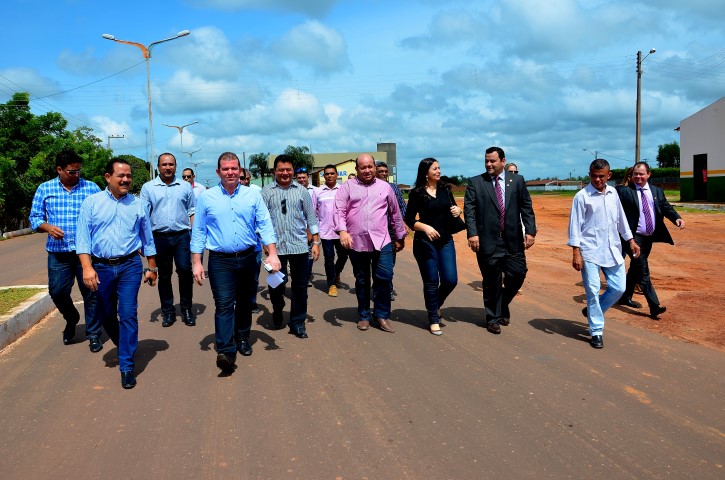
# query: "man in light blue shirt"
112,228
169,203
227,220
55,209
595,224
290,207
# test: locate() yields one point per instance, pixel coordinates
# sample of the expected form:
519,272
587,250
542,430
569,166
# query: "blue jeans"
437,264
380,264
232,280
63,268
333,268
598,304
118,289
298,269
170,249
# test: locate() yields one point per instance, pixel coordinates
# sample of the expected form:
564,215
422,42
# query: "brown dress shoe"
493,328
385,325
363,325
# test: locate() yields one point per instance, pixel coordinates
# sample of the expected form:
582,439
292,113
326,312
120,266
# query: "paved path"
534,402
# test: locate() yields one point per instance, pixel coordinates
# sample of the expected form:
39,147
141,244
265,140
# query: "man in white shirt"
188,175
595,224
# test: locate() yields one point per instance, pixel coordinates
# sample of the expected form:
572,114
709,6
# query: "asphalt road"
533,402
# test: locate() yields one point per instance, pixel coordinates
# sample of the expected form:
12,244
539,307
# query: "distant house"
553,184
702,154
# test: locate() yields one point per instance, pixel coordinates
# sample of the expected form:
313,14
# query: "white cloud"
309,7
208,53
26,80
313,45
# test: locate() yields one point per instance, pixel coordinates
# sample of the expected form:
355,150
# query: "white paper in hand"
274,279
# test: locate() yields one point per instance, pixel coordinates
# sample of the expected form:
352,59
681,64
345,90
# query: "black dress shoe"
169,319
504,321
493,327
298,331
128,380
584,311
655,311
596,341
69,332
255,309
244,347
226,362
94,343
188,317
628,302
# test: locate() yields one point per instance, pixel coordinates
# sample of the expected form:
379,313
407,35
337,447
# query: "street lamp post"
595,152
638,118
180,128
191,154
147,56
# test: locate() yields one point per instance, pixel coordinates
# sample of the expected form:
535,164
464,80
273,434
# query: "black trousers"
638,273
497,292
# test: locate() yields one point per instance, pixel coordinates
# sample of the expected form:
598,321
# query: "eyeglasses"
301,170
186,177
242,178
514,171
284,206
73,172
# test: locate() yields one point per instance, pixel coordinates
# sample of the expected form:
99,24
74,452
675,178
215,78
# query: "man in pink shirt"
362,208
323,200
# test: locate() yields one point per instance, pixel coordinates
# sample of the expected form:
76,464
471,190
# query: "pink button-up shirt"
362,210
323,200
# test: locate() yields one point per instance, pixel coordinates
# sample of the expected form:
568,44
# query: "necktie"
648,223
499,196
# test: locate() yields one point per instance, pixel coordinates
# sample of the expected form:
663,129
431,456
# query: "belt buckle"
114,261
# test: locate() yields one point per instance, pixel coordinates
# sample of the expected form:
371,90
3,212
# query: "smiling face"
599,178
365,168
303,179
121,180
640,175
494,164
283,173
167,168
434,173
70,175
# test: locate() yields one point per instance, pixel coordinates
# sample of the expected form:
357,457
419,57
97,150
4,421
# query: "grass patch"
12,297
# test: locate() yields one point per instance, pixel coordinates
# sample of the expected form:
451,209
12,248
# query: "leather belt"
114,261
170,234
241,253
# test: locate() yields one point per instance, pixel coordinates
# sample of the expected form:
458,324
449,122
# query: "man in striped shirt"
55,209
290,207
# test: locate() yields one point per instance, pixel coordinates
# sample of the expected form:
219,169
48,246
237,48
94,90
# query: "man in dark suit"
496,204
646,220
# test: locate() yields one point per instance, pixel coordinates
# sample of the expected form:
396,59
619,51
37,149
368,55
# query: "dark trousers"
497,294
299,274
333,268
380,265
174,248
437,264
639,271
232,281
117,306
63,269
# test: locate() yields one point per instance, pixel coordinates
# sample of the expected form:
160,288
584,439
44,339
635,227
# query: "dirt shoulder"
686,275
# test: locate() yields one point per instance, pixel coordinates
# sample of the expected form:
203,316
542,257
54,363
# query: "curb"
23,317
18,233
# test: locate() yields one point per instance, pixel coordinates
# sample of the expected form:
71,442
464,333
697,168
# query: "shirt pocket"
130,219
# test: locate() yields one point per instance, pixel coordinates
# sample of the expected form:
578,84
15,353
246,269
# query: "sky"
551,82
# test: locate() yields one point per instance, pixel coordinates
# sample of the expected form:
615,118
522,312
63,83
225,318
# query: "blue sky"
542,79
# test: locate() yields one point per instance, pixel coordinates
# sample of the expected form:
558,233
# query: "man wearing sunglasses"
55,210
290,207
188,175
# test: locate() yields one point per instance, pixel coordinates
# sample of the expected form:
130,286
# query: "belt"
241,253
169,234
114,261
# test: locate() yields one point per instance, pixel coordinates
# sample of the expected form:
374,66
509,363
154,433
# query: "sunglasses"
73,172
186,177
514,171
242,178
284,206
301,170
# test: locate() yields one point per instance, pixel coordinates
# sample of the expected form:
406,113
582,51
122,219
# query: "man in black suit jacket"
646,231
499,243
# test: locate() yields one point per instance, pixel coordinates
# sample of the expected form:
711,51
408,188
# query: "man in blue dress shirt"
227,220
55,209
169,203
112,228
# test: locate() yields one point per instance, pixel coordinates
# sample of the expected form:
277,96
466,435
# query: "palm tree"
258,165
301,157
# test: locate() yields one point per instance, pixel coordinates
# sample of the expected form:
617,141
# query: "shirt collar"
158,181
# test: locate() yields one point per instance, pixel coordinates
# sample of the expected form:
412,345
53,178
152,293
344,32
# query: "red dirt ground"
686,275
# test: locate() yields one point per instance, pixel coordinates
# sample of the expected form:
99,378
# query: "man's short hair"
158,161
599,164
646,166
330,166
227,156
190,170
109,165
284,158
498,150
380,163
66,157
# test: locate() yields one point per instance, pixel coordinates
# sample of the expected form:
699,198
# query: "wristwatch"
152,270
316,243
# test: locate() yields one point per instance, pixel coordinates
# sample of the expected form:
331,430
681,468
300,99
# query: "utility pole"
113,136
244,156
638,113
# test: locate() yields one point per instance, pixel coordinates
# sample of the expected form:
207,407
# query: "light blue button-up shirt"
110,228
229,223
168,206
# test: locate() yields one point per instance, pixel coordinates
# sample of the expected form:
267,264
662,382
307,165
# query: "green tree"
258,165
301,157
668,155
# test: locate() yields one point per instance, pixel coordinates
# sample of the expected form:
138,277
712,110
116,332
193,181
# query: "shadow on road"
198,308
337,315
567,328
146,351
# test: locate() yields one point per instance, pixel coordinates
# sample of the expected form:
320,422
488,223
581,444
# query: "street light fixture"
181,130
146,50
638,119
595,152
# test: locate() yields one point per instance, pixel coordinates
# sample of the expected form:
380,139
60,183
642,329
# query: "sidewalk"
23,317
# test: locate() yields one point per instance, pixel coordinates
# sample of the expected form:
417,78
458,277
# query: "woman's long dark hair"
422,178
